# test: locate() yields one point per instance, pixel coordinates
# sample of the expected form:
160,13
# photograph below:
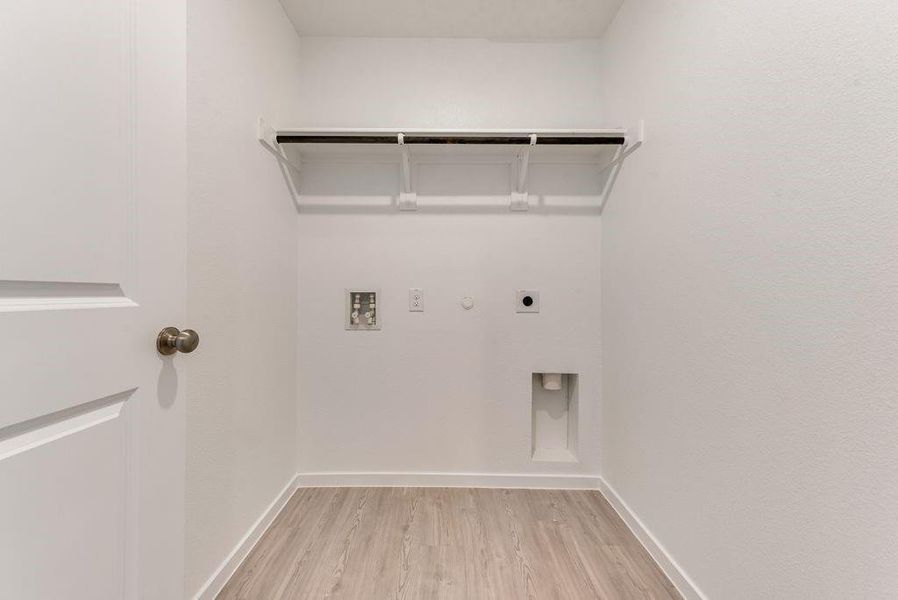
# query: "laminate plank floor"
447,543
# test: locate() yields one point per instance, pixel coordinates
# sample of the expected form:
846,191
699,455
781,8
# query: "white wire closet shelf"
604,148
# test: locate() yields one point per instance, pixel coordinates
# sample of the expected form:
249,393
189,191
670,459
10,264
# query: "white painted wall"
750,285
445,83
242,263
444,391
488,19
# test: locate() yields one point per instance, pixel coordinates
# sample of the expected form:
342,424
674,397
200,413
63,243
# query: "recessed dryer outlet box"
527,301
362,312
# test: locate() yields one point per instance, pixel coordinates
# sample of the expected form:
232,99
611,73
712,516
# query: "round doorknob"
172,339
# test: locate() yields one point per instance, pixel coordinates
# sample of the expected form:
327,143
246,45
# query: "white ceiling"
495,19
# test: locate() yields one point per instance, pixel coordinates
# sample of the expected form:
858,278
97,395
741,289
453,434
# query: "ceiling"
494,19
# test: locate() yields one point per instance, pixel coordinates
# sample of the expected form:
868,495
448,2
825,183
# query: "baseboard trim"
671,568
217,581
479,480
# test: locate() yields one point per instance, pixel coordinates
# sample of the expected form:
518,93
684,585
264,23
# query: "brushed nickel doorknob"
172,339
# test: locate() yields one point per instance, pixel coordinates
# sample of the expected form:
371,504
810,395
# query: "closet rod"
293,138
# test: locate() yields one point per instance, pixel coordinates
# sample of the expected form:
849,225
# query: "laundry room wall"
444,395
750,335
241,390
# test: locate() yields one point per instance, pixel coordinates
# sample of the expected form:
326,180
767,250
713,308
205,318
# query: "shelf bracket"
408,200
268,137
635,135
520,195
634,139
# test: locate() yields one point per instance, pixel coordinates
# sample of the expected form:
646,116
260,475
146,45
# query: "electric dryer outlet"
527,301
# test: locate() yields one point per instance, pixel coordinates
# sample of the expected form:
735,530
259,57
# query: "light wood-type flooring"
453,543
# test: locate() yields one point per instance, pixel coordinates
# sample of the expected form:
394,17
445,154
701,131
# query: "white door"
92,266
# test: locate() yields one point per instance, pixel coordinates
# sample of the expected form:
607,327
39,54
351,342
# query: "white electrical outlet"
416,300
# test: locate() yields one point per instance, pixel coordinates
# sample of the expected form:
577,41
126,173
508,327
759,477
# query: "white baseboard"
218,580
674,571
480,480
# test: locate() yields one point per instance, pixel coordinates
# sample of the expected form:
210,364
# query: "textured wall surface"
750,286
242,276
442,83
485,19
446,390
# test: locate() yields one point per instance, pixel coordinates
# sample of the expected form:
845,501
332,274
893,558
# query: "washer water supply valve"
371,314
361,310
356,305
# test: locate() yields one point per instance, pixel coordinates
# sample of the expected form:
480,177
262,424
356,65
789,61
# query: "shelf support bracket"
268,137
520,195
408,200
635,138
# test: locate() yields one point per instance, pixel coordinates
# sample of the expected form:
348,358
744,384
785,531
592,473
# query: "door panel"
69,67
68,202
64,358
92,260
67,511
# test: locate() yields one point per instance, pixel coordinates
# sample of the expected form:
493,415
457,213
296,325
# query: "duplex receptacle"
416,300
